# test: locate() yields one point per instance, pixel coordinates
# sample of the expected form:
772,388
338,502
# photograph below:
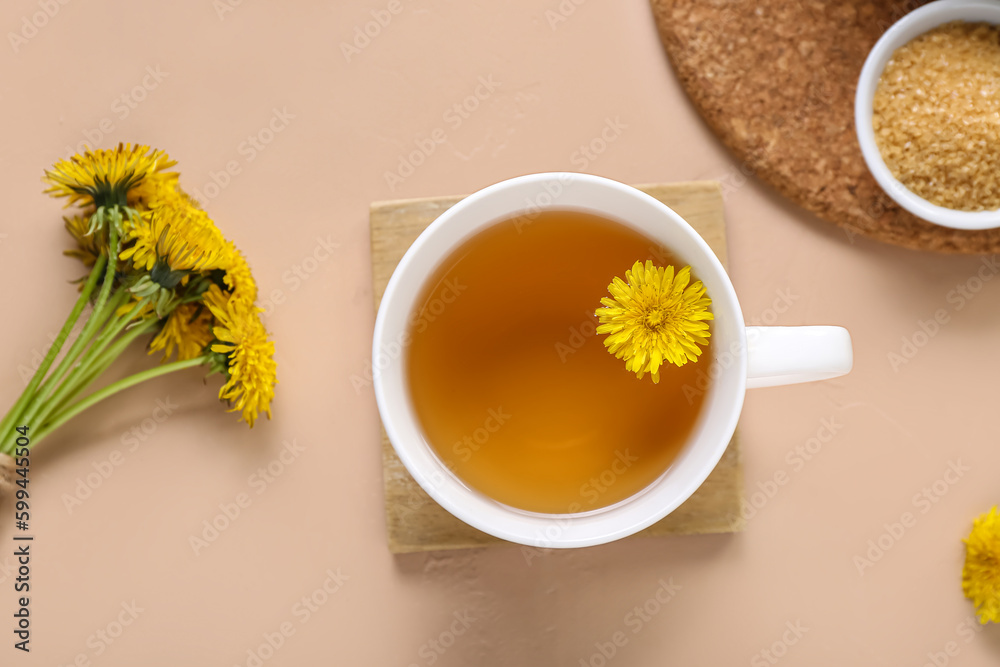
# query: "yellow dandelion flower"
242,338
188,330
88,246
103,178
147,309
238,277
175,237
981,574
157,187
655,317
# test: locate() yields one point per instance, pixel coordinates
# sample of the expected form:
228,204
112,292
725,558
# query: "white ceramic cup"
741,357
906,29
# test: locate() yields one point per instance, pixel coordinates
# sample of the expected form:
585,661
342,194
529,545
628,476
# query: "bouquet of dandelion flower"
157,265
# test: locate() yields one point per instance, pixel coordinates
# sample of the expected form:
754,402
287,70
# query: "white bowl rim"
907,28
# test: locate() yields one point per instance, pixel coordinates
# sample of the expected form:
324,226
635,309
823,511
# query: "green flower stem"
13,416
95,362
76,408
109,272
98,318
103,310
78,375
117,326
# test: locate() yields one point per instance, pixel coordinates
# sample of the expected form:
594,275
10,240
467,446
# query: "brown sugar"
937,116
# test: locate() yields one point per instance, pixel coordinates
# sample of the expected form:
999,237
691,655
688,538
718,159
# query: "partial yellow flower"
175,237
238,277
147,310
242,338
156,188
655,317
981,574
88,246
188,330
103,177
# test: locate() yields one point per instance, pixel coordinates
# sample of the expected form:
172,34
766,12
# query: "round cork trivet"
775,80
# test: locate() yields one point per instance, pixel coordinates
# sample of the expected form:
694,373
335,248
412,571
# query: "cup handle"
790,355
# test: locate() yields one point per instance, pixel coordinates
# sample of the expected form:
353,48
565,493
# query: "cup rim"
535,529
912,25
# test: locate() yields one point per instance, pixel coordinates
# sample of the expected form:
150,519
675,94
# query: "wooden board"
415,522
775,80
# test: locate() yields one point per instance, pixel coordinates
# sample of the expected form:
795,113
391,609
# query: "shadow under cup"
607,199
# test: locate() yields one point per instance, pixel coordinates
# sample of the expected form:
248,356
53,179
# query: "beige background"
223,73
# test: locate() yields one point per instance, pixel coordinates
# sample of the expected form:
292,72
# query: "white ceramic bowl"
910,26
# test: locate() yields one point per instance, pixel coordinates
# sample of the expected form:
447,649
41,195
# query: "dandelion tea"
514,389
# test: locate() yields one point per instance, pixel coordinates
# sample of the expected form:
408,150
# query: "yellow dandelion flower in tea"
981,574
243,340
103,177
188,331
655,317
